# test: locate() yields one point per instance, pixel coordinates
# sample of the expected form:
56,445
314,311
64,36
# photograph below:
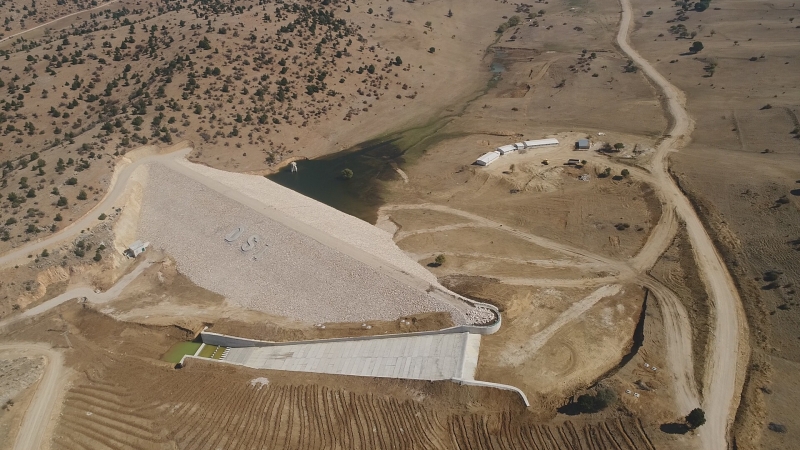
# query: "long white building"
487,158
540,143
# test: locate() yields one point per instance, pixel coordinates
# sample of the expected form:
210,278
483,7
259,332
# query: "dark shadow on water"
360,196
675,428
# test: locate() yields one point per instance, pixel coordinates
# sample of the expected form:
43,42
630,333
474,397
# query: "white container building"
487,158
540,143
136,249
506,149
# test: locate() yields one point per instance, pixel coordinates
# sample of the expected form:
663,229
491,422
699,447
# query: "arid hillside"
250,84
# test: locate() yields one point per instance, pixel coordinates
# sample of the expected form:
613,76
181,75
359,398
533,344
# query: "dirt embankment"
677,270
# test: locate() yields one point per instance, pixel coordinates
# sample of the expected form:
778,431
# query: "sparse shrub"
696,418
82,195
102,216
594,403
777,427
440,259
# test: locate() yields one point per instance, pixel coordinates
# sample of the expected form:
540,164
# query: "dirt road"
79,292
118,184
576,310
35,429
724,374
56,20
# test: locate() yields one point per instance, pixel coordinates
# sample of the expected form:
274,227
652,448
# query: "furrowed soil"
123,395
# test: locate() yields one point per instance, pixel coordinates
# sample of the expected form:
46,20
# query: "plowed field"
213,406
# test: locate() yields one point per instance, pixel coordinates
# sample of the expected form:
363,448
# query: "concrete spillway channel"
450,354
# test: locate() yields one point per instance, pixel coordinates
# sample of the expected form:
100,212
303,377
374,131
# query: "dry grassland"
741,171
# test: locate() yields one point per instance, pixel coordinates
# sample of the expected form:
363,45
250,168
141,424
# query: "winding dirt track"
724,374
118,185
38,417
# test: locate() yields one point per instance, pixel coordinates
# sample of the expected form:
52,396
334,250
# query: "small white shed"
487,158
136,249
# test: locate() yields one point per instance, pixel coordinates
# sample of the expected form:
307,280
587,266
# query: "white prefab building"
519,145
540,143
136,249
487,159
506,149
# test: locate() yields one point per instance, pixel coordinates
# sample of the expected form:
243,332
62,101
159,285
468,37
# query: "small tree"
347,174
432,50
619,146
82,195
440,260
449,13
625,172
696,418
696,47
398,61
593,403
102,216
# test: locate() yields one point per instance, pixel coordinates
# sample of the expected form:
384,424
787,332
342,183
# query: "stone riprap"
281,271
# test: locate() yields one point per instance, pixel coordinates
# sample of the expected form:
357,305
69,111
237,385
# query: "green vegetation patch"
212,351
179,350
